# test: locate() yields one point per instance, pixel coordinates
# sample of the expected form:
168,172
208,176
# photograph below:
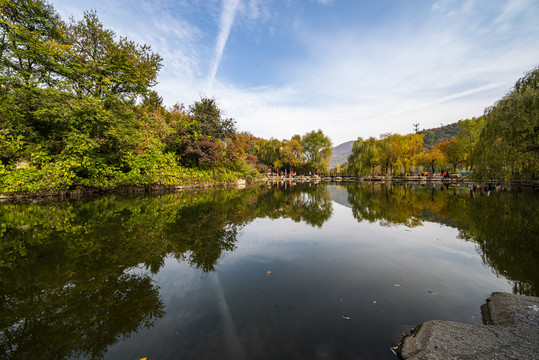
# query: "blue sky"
352,68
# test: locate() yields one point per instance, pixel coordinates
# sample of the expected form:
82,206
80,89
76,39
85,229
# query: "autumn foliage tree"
433,158
391,152
454,152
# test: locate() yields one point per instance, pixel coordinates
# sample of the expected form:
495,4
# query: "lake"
272,272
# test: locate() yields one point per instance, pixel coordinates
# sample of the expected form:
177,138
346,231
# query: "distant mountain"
339,194
341,153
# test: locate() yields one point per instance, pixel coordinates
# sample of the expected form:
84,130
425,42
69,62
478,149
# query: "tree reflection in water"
75,277
504,225
71,278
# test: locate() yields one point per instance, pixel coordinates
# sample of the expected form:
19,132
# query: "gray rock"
511,331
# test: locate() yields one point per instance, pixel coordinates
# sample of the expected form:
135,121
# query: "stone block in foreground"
511,331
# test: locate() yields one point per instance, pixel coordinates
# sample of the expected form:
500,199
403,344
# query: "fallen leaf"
144,358
268,272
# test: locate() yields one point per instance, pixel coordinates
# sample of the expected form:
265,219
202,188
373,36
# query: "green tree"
269,151
364,157
151,101
101,66
389,151
469,133
318,150
210,121
33,43
508,147
292,152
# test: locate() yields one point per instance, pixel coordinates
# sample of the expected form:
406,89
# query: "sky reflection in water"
351,266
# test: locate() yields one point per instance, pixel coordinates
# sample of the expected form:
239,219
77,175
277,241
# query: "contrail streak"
231,333
230,7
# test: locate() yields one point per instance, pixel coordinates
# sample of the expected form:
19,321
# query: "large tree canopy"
317,150
39,49
210,120
509,144
101,65
33,43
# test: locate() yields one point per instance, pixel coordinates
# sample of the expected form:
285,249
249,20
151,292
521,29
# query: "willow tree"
411,146
508,148
269,151
469,133
365,156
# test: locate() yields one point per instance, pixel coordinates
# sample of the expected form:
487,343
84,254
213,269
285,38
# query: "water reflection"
505,225
309,203
76,277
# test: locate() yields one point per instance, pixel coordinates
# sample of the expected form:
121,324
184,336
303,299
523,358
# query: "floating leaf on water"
144,358
121,265
268,272
346,317
433,293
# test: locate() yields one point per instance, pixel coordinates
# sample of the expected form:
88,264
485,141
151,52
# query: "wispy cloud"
324,2
230,7
362,72
357,83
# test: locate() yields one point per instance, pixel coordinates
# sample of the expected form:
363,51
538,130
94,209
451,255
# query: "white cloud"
448,64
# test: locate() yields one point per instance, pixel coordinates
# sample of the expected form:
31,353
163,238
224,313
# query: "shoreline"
80,191
510,330
423,180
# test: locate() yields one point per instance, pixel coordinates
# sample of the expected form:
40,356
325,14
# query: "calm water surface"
282,272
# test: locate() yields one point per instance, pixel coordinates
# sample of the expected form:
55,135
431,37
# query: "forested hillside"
439,134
